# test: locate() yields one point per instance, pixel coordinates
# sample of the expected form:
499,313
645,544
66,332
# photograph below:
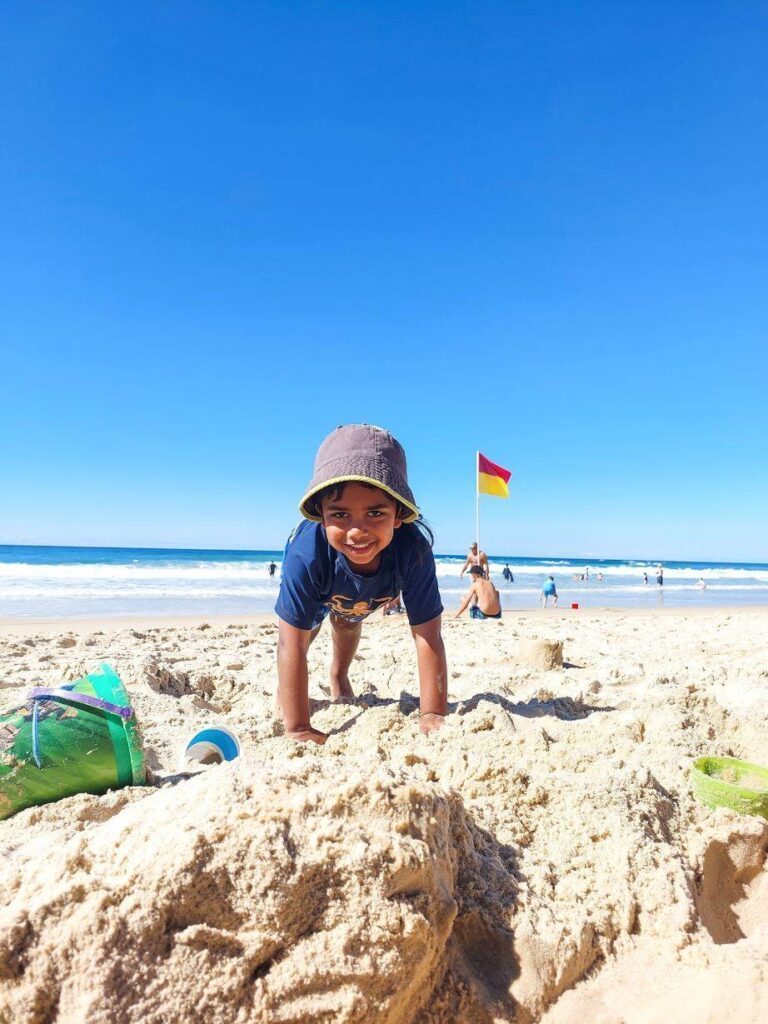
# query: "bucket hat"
366,454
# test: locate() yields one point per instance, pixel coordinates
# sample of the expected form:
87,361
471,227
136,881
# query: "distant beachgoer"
660,576
476,557
548,590
272,568
586,573
485,596
645,578
507,574
395,606
599,577
701,584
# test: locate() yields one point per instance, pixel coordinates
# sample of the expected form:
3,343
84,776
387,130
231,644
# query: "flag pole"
477,504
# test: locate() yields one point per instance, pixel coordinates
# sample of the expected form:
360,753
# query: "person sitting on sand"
486,603
395,606
548,590
476,557
361,543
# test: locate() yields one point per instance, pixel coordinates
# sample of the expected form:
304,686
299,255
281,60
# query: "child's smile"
360,524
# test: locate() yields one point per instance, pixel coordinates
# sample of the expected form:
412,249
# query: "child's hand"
431,722
308,735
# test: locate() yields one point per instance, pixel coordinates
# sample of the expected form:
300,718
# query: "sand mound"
544,654
541,858
260,898
269,900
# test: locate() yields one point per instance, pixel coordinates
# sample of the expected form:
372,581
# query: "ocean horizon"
47,581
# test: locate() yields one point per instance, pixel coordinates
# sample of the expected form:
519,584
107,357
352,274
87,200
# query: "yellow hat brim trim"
362,480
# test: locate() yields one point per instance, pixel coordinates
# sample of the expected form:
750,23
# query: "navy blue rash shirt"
317,579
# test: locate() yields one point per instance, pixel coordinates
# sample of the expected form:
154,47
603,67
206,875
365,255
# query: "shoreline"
17,626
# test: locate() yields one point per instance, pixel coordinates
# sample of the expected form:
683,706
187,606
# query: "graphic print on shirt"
353,610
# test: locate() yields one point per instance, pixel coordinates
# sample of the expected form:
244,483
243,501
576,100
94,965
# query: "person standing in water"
507,574
660,575
549,590
272,568
476,557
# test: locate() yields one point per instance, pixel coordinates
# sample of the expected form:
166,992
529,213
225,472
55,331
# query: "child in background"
362,544
485,597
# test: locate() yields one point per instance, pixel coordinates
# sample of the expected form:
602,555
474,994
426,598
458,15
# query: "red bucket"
575,604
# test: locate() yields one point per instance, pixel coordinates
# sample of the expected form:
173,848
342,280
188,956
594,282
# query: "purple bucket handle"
54,693
68,696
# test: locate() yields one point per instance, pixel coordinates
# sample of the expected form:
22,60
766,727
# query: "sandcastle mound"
260,898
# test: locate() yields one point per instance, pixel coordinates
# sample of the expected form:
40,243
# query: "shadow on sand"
565,708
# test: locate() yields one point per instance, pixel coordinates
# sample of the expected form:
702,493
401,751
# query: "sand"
539,859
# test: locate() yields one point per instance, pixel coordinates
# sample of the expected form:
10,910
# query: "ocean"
83,582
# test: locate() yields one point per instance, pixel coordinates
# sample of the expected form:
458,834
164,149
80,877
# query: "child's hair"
475,570
334,492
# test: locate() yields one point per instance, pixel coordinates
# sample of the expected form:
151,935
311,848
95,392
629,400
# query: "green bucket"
78,738
728,782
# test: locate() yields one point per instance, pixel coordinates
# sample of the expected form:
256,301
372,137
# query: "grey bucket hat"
369,455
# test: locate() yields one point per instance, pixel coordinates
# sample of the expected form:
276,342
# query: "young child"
486,597
358,548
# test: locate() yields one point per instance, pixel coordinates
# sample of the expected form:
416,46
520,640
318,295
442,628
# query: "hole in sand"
732,896
485,958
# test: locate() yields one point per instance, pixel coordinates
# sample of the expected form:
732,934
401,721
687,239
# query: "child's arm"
433,674
465,602
293,683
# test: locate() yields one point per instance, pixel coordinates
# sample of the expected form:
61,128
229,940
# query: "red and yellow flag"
492,479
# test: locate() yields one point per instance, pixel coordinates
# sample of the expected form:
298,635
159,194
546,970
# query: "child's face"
360,523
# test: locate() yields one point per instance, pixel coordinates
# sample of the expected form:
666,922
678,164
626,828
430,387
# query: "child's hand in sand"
431,722
308,735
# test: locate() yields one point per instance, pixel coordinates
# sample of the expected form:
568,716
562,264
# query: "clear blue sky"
537,229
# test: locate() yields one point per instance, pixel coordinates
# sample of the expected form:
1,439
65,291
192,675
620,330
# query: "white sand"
539,859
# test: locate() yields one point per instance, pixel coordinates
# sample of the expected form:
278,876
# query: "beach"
541,858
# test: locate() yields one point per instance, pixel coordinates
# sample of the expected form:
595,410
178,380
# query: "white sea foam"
171,586
110,573
250,572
